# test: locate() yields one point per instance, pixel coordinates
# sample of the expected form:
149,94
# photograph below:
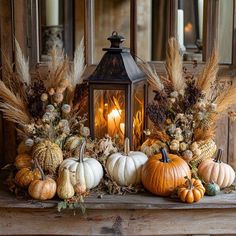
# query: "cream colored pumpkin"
214,170
73,142
64,187
125,168
84,170
49,155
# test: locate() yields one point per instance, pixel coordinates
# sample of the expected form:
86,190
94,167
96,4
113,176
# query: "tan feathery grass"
226,99
78,67
174,65
153,78
13,107
204,133
22,65
208,75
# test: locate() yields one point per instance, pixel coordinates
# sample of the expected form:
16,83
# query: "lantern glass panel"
138,113
109,113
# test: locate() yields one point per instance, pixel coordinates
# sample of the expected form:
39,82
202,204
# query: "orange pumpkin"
23,160
162,173
25,176
191,191
44,188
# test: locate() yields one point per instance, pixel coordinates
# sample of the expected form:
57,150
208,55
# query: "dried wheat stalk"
174,65
22,65
208,74
153,78
226,99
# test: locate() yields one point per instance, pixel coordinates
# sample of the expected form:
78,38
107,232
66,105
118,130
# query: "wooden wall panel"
6,34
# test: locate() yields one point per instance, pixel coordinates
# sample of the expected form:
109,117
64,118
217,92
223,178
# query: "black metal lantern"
117,95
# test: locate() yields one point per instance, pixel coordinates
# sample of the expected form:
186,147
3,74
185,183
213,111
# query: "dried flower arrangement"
43,107
185,108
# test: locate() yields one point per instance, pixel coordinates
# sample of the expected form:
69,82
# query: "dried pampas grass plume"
226,99
22,65
174,65
13,107
153,78
78,65
208,75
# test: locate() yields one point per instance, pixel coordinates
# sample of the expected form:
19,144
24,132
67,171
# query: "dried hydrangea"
174,145
50,108
66,108
187,155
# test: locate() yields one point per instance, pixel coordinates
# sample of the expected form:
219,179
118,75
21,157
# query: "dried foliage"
208,75
174,65
187,108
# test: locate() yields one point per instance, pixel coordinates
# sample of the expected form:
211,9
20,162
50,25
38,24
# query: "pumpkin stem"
219,155
40,168
81,152
126,147
165,157
189,182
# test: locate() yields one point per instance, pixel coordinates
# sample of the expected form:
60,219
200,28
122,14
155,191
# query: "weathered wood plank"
119,222
6,34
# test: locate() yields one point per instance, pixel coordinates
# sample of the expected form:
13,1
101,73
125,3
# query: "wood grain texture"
6,34
119,222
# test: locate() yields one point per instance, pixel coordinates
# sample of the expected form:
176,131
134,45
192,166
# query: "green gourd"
212,189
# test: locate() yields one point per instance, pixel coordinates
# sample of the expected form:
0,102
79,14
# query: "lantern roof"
117,65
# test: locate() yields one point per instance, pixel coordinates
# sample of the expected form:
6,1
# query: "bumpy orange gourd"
214,170
163,172
44,188
191,191
23,160
25,176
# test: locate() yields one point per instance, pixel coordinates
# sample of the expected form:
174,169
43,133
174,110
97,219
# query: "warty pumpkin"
23,161
125,168
84,170
44,188
49,155
162,173
64,187
191,191
214,170
25,176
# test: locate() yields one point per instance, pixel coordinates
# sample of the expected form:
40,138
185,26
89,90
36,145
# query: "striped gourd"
49,156
208,149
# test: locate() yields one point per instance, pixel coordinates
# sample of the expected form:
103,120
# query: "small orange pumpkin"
162,173
25,176
44,188
23,160
191,191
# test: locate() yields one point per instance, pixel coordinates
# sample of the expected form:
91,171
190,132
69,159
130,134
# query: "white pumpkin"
84,170
125,168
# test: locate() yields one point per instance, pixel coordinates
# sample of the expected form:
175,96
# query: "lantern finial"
116,40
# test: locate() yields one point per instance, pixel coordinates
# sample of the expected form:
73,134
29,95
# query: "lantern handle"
114,33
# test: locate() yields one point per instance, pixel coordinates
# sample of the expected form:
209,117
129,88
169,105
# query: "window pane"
144,29
110,16
225,33
79,21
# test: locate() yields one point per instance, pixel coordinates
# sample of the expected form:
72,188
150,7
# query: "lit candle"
180,29
113,122
200,18
52,12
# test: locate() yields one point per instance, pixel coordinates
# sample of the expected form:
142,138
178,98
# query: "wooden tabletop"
128,201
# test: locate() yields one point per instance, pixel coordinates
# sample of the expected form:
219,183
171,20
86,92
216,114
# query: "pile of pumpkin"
160,174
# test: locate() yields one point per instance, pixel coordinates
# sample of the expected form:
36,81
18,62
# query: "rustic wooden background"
17,20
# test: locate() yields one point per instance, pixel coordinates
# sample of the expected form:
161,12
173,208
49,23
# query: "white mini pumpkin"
84,170
125,168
